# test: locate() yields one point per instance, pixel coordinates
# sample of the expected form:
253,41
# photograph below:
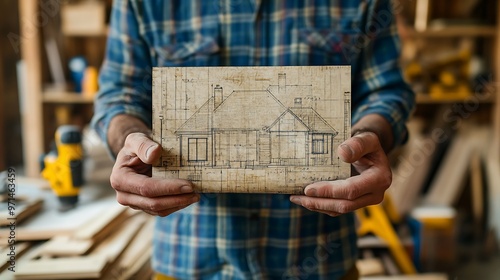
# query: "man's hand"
131,178
364,151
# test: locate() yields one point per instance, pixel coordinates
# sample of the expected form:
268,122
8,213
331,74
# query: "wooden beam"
450,177
421,15
31,107
2,119
477,193
496,113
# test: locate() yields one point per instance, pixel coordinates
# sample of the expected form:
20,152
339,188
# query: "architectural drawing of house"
262,133
251,129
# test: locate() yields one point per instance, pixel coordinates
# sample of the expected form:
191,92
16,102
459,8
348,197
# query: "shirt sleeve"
125,77
378,83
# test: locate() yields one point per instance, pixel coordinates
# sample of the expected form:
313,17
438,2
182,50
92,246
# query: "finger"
329,213
357,146
141,145
373,180
129,181
157,204
165,212
341,206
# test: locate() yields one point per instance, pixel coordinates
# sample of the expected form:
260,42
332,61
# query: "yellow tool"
373,219
63,168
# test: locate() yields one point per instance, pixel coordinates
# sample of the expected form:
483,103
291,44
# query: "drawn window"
197,149
319,144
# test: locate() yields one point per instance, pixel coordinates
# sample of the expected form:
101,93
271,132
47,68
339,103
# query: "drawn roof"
310,119
260,105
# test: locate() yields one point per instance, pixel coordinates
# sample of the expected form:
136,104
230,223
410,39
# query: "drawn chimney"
218,97
297,102
281,83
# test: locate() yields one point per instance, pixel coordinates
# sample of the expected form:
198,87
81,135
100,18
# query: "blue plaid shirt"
233,236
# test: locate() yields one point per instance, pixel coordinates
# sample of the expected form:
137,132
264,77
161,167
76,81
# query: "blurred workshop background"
441,217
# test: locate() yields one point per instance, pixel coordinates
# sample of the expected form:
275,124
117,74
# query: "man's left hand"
334,198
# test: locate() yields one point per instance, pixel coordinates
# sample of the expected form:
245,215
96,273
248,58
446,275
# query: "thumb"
357,146
141,145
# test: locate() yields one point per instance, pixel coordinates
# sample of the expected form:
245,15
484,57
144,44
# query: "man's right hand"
131,178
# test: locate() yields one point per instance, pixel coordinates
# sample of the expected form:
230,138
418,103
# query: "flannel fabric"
232,236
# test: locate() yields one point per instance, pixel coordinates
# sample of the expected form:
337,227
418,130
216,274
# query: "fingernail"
296,200
195,198
186,189
347,150
148,151
311,192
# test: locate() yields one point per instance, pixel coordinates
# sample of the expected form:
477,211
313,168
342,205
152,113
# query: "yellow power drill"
63,167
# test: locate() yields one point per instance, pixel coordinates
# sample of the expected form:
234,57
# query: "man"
244,236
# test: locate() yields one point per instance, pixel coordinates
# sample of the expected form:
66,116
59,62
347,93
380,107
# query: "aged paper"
251,129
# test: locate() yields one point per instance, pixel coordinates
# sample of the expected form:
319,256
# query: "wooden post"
31,109
496,113
2,120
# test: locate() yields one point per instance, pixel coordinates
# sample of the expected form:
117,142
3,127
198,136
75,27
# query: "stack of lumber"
114,245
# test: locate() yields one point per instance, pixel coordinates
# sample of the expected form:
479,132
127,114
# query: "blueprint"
251,129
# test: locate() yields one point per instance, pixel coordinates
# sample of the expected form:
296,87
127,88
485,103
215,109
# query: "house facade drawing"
224,134
251,129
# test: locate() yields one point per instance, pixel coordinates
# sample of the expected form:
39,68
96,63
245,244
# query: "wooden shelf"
423,98
458,31
61,97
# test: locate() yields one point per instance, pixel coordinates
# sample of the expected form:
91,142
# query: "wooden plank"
3,133
86,267
60,246
425,98
84,238
114,246
145,272
24,208
95,198
493,183
370,267
102,225
63,97
496,114
92,266
421,15
20,249
51,222
138,253
457,31
389,264
450,179
31,112
477,192
412,170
